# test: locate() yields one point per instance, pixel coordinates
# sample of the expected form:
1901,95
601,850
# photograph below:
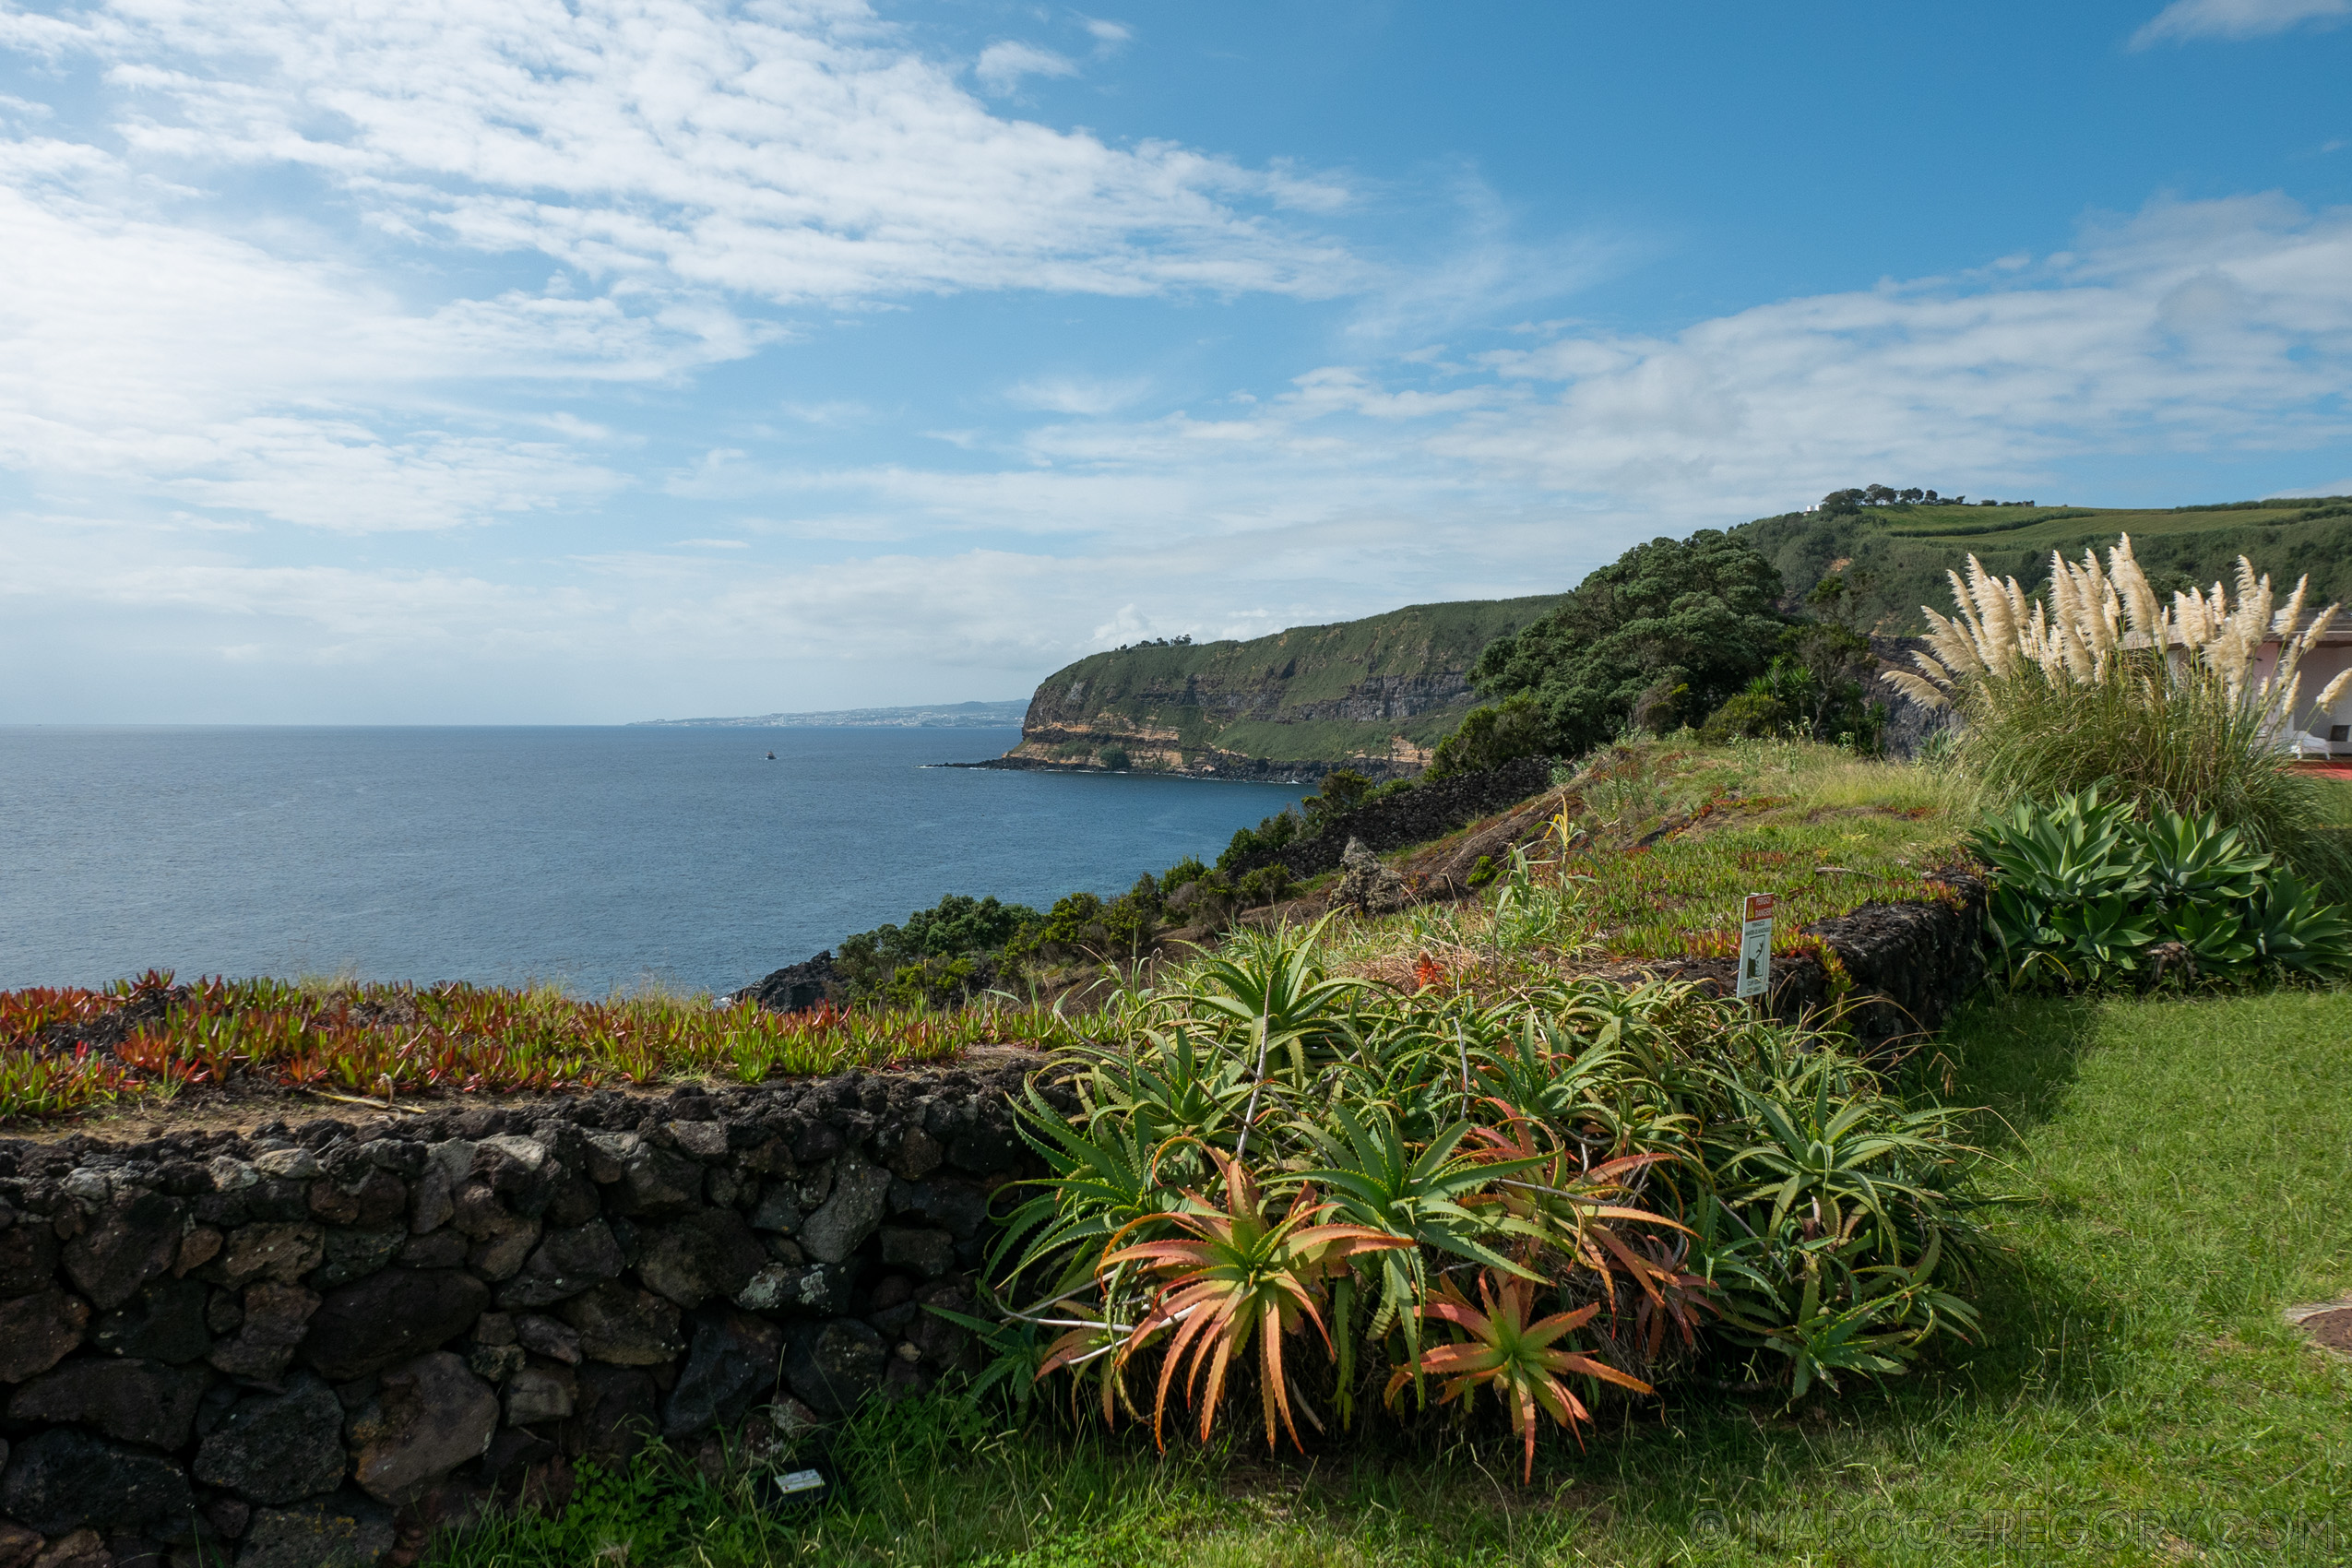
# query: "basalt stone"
705,1141
928,1253
500,1251
19,1545
341,1531
132,1401
541,1394
545,1336
37,1332
910,1151
945,1345
733,1363
834,1365
710,1252
813,1140
990,1147
429,1416
854,1211
655,1182
164,1323
375,1201
61,1479
28,1260
522,1171
87,1548
495,1328
625,1326
564,1265
614,1415
575,1201
495,1363
947,1203
126,1248
283,1201
276,1318
779,1208
198,1247
430,1200
442,1249
355,1254
280,1253
816,1289
388,1317
278,1448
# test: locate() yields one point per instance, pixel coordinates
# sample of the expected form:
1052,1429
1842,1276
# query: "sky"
590,361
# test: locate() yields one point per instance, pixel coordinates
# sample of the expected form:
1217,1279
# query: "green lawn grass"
2176,1173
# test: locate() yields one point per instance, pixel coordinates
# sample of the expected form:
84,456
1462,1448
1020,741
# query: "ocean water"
598,858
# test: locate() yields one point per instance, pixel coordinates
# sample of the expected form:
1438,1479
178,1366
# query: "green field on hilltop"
1893,558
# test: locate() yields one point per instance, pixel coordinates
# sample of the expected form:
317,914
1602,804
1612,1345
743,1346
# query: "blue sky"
546,362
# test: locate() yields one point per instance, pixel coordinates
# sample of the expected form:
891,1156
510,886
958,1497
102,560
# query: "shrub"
1490,735
1343,791
1112,758
959,926
2085,893
1751,715
1302,1180
2160,708
1264,885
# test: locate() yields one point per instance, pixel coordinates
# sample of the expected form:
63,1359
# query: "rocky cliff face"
1375,694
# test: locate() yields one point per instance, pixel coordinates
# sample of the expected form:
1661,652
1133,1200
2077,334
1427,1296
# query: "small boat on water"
771,756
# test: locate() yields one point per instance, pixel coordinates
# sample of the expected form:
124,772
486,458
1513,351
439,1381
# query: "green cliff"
1375,694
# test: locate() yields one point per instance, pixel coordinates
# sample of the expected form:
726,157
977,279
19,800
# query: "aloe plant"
1519,1359
1235,1275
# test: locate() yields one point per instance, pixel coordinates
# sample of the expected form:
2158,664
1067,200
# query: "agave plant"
1519,1359
1235,1275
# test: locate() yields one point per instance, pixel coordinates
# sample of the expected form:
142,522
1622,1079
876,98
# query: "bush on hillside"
1659,638
2161,709
1752,715
957,926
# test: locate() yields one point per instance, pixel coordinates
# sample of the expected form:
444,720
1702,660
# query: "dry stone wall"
316,1344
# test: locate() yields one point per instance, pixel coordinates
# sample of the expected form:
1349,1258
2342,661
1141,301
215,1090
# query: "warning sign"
1755,946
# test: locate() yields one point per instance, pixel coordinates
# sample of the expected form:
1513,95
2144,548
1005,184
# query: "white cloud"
1076,395
2235,18
688,169
793,153
1106,34
1002,65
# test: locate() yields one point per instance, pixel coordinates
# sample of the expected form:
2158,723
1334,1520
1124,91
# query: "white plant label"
1755,948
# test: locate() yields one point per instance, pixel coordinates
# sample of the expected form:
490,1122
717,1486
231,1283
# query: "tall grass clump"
2166,708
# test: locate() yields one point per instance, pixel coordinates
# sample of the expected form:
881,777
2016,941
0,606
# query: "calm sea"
594,856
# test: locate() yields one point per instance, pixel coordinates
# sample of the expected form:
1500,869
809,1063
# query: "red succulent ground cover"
64,1049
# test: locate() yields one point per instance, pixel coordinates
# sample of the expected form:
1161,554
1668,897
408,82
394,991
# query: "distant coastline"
936,716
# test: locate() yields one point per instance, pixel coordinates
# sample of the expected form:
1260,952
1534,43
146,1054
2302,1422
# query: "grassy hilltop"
1892,558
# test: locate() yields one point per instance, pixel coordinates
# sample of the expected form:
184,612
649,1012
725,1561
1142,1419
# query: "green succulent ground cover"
2178,1174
